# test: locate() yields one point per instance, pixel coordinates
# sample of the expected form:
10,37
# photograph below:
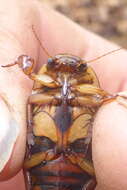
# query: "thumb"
109,146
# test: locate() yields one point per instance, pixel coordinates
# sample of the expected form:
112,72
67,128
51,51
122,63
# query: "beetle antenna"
9,65
36,36
110,52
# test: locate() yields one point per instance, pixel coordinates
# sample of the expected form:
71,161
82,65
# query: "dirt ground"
105,17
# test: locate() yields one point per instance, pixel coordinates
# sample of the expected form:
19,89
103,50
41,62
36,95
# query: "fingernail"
9,131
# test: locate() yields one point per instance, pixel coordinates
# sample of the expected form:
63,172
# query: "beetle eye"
50,60
82,67
50,63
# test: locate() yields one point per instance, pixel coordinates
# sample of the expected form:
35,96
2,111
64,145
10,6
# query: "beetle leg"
90,185
38,158
122,98
40,99
44,80
34,160
86,165
87,89
93,96
90,96
90,101
27,64
83,163
49,155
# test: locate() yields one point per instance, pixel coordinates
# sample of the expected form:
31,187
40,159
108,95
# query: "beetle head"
66,63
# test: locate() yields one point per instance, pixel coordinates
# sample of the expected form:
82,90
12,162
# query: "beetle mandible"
65,98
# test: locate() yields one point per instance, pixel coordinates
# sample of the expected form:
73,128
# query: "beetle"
65,98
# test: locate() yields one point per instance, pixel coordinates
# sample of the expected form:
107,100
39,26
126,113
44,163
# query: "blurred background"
105,17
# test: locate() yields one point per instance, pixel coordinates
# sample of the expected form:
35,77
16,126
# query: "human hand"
59,35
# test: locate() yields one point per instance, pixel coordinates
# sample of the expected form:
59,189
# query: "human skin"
60,35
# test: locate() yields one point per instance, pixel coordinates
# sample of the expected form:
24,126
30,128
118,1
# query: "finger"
16,38
14,183
109,147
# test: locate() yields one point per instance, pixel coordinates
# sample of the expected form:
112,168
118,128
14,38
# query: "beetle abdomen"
58,174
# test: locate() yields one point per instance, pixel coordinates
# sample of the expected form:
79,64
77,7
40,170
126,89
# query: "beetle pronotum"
65,98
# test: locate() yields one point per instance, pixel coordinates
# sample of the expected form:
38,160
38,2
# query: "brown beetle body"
65,98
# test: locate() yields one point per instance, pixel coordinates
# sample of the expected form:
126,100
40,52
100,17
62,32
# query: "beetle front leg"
27,64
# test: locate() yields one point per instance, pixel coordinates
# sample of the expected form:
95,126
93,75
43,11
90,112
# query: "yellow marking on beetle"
72,158
83,163
79,128
44,126
50,109
79,111
86,165
91,72
42,70
34,160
